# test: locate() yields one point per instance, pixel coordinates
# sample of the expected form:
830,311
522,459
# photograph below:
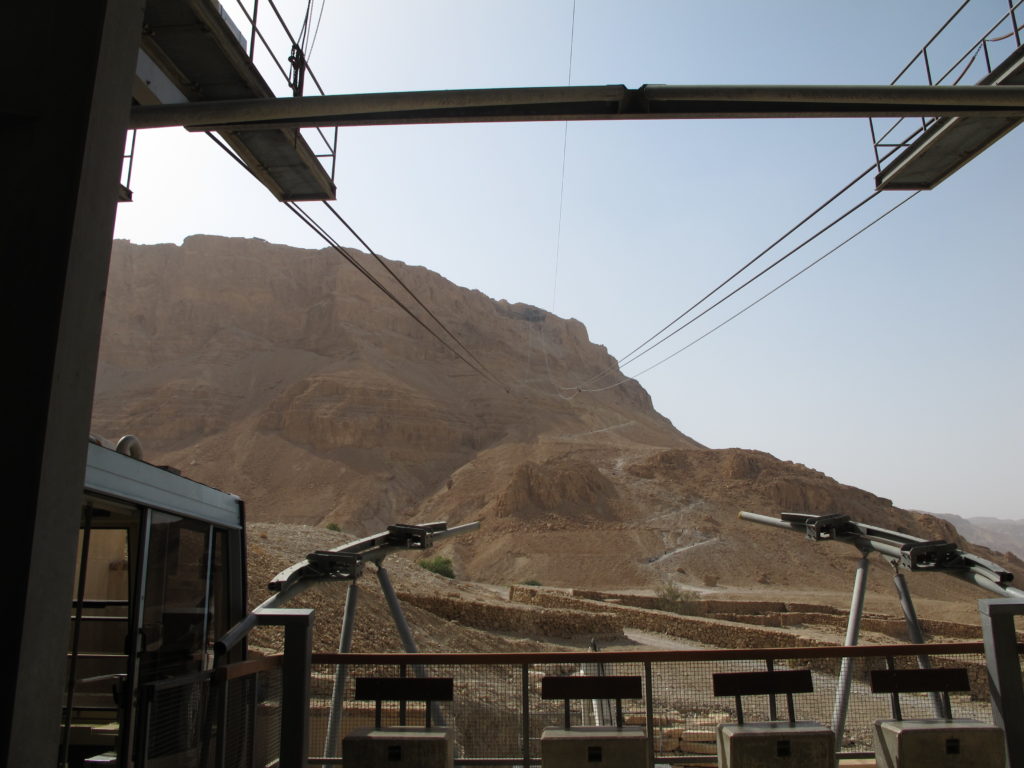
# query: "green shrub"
440,565
532,583
671,597
333,527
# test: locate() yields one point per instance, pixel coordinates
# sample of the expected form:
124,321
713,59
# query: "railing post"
252,37
1005,686
525,688
649,715
295,673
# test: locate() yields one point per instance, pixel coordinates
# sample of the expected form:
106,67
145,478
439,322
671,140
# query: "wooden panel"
605,687
919,680
628,657
757,683
404,688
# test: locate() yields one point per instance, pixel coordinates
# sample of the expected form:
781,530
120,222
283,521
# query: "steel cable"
754,303
340,249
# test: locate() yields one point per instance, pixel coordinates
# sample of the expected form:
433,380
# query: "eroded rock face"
281,375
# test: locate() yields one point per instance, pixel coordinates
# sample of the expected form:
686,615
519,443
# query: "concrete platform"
803,744
938,744
590,746
407,747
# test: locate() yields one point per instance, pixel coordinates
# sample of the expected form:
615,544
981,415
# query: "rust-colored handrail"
246,668
591,657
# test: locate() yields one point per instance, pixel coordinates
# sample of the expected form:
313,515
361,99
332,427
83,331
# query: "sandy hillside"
281,375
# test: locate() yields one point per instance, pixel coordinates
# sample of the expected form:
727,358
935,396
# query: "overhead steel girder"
605,102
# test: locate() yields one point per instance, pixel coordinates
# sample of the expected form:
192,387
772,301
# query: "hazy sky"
895,365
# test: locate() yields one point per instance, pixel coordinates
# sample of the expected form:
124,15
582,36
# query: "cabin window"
176,607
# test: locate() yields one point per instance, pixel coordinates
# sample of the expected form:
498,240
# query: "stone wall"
701,629
782,614
554,622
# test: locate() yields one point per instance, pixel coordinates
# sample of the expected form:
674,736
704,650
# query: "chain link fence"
497,715
228,718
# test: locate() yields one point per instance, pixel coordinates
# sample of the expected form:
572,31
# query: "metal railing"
296,73
250,714
230,717
889,134
498,714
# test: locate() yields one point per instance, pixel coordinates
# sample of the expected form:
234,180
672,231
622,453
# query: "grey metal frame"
1006,686
604,102
913,553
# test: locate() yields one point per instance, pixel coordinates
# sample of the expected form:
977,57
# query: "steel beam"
605,102
298,651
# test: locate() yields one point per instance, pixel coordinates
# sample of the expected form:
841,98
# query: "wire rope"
316,30
561,186
340,249
754,303
639,350
407,289
732,293
344,252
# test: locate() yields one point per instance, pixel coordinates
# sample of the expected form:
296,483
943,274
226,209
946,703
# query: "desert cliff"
281,375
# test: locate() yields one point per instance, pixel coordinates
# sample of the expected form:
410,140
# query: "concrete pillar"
67,96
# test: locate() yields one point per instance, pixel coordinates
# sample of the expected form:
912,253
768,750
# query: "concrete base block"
776,745
592,746
938,744
407,747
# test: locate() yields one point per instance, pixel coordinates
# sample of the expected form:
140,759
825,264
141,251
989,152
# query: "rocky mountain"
282,375
993,532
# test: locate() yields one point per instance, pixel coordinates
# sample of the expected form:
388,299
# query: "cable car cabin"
160,576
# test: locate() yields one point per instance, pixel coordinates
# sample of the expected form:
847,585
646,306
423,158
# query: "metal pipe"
404,633
860,584
649,713
525,705
916,635
237,633
604,102
337,693
1013,22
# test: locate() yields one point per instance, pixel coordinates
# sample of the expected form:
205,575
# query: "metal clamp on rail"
821,527
335,565
414,536
931,556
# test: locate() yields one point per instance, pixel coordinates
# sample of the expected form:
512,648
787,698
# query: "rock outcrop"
281,375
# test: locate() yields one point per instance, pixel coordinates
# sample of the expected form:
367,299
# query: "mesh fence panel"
178,723
487,714
252,720
269,689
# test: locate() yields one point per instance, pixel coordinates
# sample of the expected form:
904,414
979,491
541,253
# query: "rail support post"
298,657
860,585
1005,685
